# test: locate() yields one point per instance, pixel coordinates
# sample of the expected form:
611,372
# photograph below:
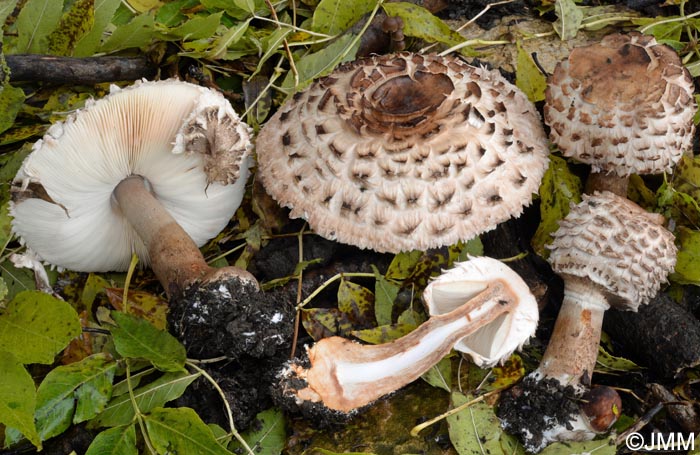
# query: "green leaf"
119,411
688,258
220,46
421,23
3,289
440,375
334,16
91,41
35,326
17,280
73,393
136,34
17,398
75,24
11,100
403,264
569,18
35,22
528,76
604,446
558,189
115,441
181,431
383,333
357,302
137,338
474,430
5,232
267,437
198,27
6,8
317,64
609,363
385,294
93,286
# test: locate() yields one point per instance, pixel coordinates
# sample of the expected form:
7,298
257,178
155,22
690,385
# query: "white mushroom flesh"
403,152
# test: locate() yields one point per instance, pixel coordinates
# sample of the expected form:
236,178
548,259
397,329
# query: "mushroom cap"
496,341
404,151
624,105
617,245
185,140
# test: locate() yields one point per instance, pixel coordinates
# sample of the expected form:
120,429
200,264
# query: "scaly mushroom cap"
185,140
617,245
496,341
623,105
404,151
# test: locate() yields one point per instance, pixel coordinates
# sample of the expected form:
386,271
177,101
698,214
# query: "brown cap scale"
478,300
624,106
610,253
404,151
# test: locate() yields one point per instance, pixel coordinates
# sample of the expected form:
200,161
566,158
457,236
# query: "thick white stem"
345,375
572,351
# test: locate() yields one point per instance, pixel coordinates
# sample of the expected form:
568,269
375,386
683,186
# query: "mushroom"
624,106
485,308
155,169
610,253
404,151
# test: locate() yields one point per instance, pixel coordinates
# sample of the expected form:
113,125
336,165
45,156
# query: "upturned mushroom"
624,106
610,253
155,169
404,151
485,309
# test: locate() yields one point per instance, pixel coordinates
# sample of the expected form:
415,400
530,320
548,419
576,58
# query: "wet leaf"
334,16
137,338
507,374
598,447
17,398
36,326
91,41
11,100
383,334
181,431
688,260
528,76
73,26
558,189
35,22
569,18
476,429
440,375
267,437
609,363
73,393
357,302
317,64
115,441
136,34
420,23
119,411
141,304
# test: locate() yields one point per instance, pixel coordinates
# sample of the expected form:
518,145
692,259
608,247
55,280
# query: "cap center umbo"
406,96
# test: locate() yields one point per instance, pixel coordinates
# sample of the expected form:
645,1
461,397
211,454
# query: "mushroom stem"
175,258
345,375
603,181
572,351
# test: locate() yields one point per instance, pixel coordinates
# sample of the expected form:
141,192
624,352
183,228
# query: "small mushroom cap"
496,341
404,151
185,140
624,105
617,245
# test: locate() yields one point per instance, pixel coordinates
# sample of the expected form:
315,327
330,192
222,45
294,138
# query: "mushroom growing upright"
624,106
155,169
610,253
404,151
485,309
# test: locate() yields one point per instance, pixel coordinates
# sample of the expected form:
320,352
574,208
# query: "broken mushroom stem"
345,375
571,354
175,259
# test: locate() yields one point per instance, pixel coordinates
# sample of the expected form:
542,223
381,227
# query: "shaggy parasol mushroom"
624,106
404,151
485,307
610,253
155,169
